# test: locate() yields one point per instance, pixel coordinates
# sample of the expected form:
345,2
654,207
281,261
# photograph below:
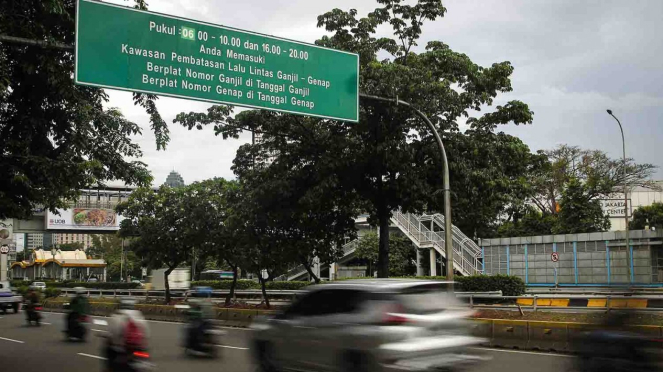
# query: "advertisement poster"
84,219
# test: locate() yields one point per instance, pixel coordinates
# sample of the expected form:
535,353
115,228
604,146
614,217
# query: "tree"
600,175
578,212
651,215
109,248
578,179
71,246
385,158
402,255
158,222
531,222
56,137
208,210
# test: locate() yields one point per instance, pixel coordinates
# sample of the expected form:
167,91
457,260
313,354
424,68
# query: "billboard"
84,219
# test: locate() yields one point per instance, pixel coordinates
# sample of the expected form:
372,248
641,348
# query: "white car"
38,285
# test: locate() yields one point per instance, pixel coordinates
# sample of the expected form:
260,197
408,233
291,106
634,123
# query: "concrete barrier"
549,336
510,333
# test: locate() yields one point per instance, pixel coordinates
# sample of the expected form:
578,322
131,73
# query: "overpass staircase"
425,231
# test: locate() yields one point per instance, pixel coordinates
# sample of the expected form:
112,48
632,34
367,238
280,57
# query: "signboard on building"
615,207
94,219
124,48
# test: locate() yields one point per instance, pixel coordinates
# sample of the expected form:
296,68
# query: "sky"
573,59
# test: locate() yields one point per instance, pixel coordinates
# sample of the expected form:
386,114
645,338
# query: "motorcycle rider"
32,303
128,334
78,310
198,333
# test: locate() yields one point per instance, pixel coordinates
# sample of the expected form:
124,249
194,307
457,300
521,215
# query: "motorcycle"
128,360
32,314
76,329
201,339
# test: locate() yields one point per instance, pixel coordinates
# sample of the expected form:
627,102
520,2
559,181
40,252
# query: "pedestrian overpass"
426,231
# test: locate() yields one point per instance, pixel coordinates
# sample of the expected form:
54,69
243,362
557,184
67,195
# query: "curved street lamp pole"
448,246
628,243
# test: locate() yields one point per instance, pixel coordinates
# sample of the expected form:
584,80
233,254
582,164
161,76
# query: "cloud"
573,60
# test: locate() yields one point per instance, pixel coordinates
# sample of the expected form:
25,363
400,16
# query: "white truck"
178,280
9,299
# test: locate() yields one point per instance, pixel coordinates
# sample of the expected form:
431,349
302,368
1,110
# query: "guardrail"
565,303
478,300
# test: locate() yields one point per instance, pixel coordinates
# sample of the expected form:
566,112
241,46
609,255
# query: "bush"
52,292
250,284
509,285
98,285
225,284
19,283
22,290
397,277
286,286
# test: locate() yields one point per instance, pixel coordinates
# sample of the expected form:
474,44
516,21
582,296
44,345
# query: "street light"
628,243
53,252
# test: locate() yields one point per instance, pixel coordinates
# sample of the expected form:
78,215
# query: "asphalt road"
43,349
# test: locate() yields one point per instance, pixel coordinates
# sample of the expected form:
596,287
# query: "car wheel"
265,356
16,308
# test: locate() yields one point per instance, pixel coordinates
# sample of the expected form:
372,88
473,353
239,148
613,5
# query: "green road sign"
124,48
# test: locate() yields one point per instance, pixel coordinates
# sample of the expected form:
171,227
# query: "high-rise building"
174,179
34,241
84,239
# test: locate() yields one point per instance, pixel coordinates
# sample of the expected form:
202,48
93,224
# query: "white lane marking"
46,323
523,352
99,330
91,356
99,322
233,347
9,339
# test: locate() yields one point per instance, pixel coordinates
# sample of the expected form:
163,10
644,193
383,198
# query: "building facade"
71,238
578,259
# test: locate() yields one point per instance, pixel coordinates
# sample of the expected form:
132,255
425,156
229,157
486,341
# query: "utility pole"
628,242
448,246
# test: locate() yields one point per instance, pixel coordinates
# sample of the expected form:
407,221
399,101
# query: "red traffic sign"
554,257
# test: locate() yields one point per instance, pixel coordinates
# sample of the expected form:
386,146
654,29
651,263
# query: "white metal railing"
466,252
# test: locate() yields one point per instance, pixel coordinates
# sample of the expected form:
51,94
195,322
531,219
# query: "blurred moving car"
38,285
9,299
369,325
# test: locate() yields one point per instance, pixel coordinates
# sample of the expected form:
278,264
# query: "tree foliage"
109,248
600,175
651,215
159,223
564,188
56,137
388,160
71,246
